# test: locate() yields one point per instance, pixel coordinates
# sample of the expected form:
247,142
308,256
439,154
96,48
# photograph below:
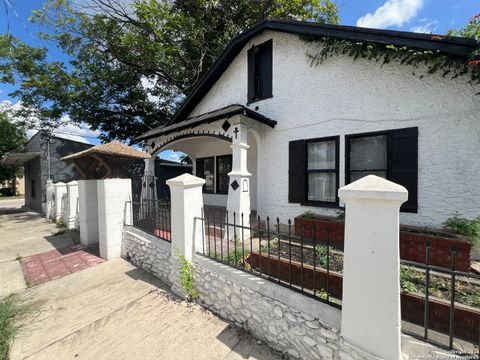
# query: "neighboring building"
271,132
35,159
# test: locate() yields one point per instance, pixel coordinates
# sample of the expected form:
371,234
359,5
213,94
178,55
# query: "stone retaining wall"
147,252
291,323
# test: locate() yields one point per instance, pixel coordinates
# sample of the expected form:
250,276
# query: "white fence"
367,327
62,203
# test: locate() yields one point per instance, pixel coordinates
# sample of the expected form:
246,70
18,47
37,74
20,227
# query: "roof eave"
456,46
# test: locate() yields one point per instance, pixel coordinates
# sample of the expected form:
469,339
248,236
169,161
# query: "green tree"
116,51
12,137
470,30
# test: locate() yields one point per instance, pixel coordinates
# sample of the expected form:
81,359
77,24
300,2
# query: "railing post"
50,199
88,211
60,194
71,217
186,205
371,286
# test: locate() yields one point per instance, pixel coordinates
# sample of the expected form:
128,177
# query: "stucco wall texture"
344,96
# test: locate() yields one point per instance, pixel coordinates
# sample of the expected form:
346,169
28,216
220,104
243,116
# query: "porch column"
149,192
239,187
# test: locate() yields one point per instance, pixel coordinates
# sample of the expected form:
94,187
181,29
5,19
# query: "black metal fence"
450,301
153,217
270,250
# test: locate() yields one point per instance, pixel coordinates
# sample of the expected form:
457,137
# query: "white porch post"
371,285
148,192
238,201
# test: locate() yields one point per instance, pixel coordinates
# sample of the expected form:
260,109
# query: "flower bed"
412,241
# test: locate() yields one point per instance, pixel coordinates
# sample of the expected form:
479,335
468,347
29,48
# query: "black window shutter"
199,168
296,171
404,164
251,70
266,70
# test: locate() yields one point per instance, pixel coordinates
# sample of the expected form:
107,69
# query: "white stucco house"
273,133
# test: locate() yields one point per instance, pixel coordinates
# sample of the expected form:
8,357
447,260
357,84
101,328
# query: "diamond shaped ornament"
234,185
226,125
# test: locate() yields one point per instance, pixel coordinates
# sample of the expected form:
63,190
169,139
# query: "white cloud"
80,133
426,27
391,13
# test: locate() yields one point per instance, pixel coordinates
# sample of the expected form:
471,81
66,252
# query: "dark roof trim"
451,45
206,118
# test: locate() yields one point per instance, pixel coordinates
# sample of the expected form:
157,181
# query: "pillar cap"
374,188
186,180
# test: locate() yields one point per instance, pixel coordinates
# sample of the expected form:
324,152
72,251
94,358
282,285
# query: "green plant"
433,61
322,294
270,247
466,227
321,252
474,299
61,226
13,312
309,215
187,278
340,215
408,278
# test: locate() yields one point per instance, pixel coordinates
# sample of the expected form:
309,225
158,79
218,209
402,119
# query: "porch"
223,146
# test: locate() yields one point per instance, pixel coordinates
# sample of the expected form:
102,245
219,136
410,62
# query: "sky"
427,16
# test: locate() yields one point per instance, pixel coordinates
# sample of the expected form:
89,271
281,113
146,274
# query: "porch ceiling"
225,112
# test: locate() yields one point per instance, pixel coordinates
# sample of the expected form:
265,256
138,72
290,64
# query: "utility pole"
49,141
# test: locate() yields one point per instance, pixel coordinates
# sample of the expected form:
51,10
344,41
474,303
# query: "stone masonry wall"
147,252
272,313
291,323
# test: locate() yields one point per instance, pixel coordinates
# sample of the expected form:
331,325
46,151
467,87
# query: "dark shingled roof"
206,118
456,46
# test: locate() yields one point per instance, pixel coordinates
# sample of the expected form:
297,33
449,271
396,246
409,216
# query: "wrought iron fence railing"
441,300
272,251
153,217
434,299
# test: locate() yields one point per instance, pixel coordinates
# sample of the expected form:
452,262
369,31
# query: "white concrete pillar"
50,200
71,218
187,204
88,211
113,196
371,286
60,199
238,200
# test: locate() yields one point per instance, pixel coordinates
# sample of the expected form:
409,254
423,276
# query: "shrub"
309,215
466,227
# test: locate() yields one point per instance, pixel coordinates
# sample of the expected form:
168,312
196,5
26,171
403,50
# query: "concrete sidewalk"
23,234
116,311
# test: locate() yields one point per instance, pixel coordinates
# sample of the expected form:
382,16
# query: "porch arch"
170,141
